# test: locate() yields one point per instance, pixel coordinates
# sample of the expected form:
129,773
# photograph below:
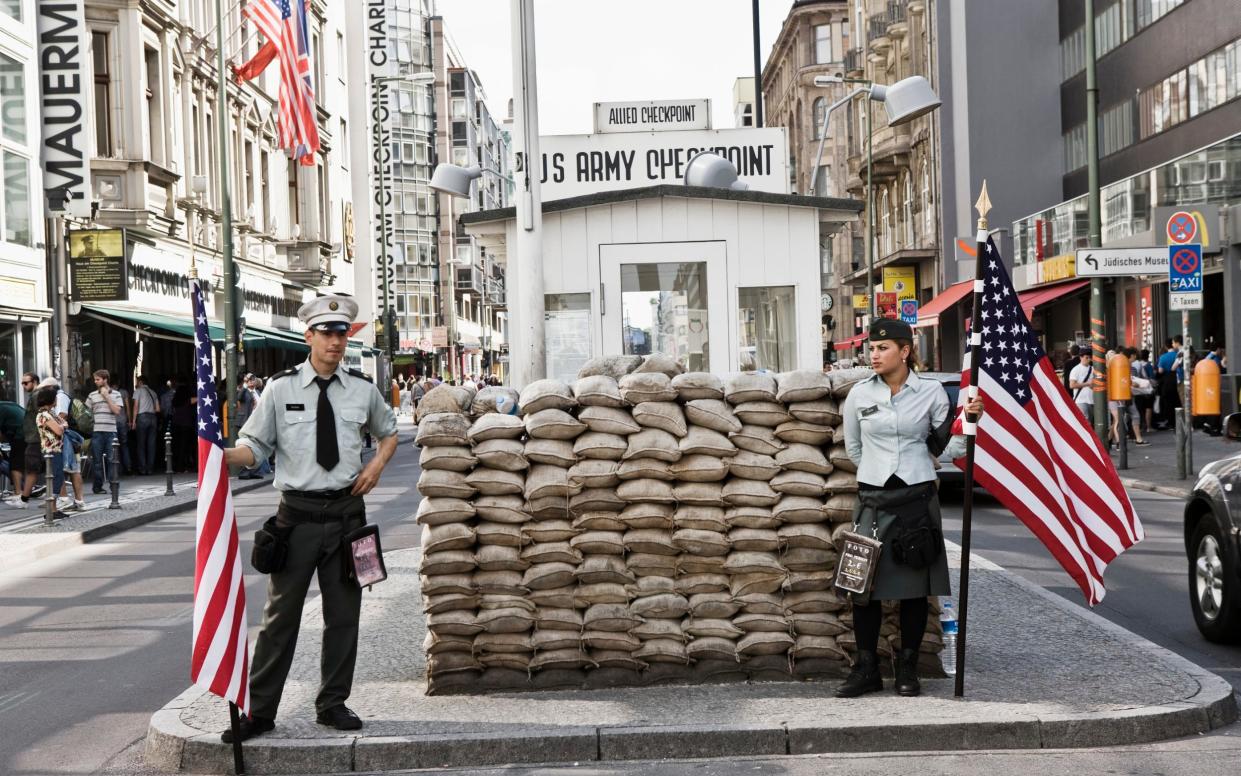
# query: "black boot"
907,673
864,678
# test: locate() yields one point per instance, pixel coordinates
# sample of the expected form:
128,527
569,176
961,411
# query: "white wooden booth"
722,280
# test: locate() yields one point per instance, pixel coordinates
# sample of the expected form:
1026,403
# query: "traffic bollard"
49,516
168,461
1122,433
115,470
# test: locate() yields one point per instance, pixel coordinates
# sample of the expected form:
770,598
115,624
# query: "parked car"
1213,544
948,472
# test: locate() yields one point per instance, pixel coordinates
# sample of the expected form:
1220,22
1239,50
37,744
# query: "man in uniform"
313,417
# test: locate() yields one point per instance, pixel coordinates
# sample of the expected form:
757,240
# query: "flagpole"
234,720
971,431
226,227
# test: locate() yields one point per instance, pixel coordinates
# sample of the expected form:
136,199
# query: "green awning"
182,329
267,337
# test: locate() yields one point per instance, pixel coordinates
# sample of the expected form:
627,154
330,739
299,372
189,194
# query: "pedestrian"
1072,361
12,415
1169,373
122,425
1081,378
72,442
247,401
144,422
892,420
312,418
1143,381
105,407
33,462
51,431
184,436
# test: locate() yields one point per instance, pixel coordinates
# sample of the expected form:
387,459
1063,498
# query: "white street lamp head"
712,171
906,100
454,180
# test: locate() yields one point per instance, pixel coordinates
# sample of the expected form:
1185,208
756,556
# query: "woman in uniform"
896,424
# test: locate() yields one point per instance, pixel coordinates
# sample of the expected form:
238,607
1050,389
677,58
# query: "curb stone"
1167,490
175,746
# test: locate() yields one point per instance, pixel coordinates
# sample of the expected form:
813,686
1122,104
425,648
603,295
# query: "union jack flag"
1034,451
221,657
284,25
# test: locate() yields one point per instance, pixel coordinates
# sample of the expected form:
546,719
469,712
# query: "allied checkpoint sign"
575,165
652,115
1185,277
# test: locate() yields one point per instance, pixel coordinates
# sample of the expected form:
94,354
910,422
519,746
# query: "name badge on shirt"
295,407
866,412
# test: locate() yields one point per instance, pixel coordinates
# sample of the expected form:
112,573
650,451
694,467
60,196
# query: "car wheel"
1213,592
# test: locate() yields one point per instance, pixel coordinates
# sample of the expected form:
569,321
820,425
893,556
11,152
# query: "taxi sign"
1185,276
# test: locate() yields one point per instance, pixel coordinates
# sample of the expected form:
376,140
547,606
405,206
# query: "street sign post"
1184,276
1114,262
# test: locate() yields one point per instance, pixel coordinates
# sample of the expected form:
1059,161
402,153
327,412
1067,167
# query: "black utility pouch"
914,540
271,547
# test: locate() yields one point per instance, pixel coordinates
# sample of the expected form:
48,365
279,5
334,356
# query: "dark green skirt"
894,581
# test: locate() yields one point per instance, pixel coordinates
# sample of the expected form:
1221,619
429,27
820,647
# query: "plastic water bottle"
948,621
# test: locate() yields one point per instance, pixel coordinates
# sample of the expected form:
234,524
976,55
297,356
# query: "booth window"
566,332
664,310
767,317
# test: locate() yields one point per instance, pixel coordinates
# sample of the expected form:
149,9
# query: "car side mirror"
1232,426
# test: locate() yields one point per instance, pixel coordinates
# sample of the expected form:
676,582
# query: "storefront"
722,280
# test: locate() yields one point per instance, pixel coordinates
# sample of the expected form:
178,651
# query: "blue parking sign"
1185,269
909,311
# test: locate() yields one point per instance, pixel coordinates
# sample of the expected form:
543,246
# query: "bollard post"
115,472
1122,431
168,460
49,515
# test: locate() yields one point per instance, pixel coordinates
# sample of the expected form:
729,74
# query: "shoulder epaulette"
360,373
285,373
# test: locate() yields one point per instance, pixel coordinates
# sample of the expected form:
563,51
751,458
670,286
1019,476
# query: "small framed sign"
859,560
366,556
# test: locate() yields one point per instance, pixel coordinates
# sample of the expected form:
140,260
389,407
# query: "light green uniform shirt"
284,423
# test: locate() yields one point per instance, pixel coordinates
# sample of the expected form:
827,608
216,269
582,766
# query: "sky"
594,51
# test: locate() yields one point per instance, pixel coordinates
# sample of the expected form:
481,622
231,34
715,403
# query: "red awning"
1040,296
852,342
929,314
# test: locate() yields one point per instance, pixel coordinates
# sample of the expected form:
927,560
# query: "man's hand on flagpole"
240,455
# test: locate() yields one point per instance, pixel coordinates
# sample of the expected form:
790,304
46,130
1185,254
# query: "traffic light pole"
1098,314
226,227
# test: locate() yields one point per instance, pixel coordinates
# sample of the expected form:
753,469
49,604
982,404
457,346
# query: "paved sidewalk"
1153,466
1042,674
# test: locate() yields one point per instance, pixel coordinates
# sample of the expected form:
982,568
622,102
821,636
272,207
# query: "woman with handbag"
896,424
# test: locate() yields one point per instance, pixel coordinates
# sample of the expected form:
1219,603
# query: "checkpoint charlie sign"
652,116
574,165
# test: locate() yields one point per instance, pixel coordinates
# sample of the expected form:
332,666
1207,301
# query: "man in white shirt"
144,421
1080,385
105,406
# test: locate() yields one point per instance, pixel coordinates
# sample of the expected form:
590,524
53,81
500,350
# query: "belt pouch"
914,539
271,547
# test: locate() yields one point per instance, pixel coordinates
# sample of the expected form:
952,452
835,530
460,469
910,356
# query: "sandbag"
714,414
599,542
843,380
703,518
609,420
657,491
753,466
701,494
447,562
799,509
594,473
703,441
503,534
740,492
549,531
807,433
443,399
502,509
504,454
802,457
661,364
553,452
495,557
598,446
664,415
545,480
456,458
691,386
750,386
598,391
757,439
495,398
648,514
440,483
645,468
798,483
553,424
437,511
495,426
652,541
762,413
841,460
653,443
754,539
803,385
636,388
594,500
491,482
825,412
443,429
546,394
615,367
700,543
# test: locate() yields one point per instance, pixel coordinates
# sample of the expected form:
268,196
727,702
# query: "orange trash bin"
1204,399
1119,384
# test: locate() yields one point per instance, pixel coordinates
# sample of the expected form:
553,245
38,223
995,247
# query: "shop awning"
852,342
1040,296
120,316
929,314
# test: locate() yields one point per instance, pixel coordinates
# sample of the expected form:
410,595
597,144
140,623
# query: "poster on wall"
97,267
887,304
567,333
1146,320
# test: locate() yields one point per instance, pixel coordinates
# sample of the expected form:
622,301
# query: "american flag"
1035,452
221,659
284,25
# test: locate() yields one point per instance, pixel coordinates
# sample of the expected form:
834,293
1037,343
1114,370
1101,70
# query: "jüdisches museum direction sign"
574,165
63,81
652,116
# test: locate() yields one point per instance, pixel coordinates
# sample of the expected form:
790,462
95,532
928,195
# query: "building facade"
1169,75
24,309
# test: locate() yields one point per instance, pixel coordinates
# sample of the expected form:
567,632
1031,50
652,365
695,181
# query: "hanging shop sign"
575,165
97,268
903,281
63,83
652,115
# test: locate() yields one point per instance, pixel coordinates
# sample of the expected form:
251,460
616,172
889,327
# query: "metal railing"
897,10
877,26
854,61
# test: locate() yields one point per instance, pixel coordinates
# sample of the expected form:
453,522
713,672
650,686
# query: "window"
1116,128
266,190
247,194
766,318
12,99
344,143
16,198
820,113
294,196
1073,54
907,215
885,222
1075,148
664,310
12,9
1202,86
926,199
100,62
154,106
823,44
823,181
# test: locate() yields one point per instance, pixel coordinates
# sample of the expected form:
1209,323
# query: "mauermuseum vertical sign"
63,84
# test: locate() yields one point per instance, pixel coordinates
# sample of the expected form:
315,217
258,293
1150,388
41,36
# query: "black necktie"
326,450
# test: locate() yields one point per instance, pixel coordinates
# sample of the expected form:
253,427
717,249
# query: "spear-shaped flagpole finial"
983,206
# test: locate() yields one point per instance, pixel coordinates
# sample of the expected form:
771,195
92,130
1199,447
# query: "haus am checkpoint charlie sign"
574,165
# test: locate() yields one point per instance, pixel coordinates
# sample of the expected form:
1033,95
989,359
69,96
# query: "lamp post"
389,311
904,101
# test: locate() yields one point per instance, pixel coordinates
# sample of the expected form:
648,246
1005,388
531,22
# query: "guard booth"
723,280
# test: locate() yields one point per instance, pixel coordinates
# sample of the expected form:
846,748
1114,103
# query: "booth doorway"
669,298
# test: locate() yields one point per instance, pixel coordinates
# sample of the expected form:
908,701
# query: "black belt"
320,494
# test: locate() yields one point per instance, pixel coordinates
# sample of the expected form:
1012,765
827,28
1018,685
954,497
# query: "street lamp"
904,101
389,313
712,171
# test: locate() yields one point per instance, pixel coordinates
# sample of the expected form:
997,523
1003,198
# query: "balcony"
877,33
898,22
469,280
890,152
307,262
854,64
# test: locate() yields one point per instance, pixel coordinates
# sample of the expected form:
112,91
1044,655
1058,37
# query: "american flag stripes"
1034,451
221,659
283,23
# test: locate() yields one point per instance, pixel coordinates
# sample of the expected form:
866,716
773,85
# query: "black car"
1213,544
947,471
